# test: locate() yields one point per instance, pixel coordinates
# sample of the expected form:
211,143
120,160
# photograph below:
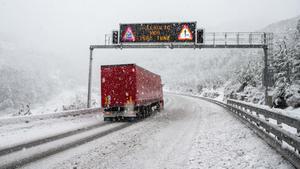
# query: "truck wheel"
108,119
131,119
158,107
144,114
149,112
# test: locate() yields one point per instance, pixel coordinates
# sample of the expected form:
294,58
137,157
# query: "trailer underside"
132,112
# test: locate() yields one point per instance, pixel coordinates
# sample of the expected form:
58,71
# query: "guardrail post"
279,124
297,148
298,135
267,120
257,114
214,38
225,38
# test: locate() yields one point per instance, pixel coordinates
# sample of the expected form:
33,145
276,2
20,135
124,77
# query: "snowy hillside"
285,26
284,64
28,81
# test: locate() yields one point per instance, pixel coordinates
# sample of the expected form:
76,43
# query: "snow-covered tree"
287,71
249,75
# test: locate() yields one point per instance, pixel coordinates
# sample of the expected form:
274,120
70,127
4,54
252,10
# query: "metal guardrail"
269,126
279,117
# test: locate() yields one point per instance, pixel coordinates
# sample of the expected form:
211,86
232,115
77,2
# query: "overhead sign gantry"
182,35
157,32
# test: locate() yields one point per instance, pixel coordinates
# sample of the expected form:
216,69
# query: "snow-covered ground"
23,132
67,100
189,133
70,99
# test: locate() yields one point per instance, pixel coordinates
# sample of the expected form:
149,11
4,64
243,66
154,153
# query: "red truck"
129,92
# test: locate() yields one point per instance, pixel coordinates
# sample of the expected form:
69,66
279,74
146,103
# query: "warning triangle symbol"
128,35
185,33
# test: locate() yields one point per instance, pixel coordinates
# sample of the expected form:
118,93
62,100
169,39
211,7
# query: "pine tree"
296,56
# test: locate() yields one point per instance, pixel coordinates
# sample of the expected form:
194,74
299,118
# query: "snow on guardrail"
278,117
26,119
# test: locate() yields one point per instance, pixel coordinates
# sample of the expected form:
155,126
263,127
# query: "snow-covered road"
189,133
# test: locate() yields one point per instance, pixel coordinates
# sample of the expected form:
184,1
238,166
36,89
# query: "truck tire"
108,119
132,119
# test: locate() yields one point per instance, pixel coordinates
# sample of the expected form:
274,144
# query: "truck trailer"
129,92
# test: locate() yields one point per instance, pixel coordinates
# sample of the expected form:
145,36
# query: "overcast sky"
59,21
66,28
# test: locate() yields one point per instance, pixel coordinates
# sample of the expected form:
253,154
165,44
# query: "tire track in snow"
8,161
47,139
